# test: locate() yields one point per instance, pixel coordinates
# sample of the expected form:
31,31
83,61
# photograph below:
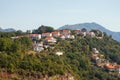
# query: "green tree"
5,44
43,29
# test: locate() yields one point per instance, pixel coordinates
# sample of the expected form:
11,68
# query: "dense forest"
14,58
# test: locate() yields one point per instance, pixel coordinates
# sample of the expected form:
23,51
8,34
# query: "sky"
30,14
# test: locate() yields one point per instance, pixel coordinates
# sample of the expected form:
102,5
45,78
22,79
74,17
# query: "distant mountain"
89,26
7,30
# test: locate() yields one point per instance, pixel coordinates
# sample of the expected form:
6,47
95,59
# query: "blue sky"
30,14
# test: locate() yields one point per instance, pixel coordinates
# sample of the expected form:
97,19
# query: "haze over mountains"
88,26
7,30
93,25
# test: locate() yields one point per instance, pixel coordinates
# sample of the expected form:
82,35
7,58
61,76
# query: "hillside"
18,61
89,26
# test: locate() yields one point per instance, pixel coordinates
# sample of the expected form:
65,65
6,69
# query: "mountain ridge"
90,26
7,30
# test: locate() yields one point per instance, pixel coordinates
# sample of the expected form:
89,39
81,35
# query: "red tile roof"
117,66
34,34
49,38
66,31
46,33
109,66
55,32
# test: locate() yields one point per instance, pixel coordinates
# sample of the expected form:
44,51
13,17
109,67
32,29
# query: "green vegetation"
76,59
8,45
11,34
43,29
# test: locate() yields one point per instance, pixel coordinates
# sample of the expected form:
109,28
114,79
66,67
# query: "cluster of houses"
100,61
48,39
84,33
45,40
50,36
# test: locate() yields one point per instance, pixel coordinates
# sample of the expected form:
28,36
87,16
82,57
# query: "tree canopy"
43,29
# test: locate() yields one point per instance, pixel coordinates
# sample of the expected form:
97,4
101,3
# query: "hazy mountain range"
7,30
89,26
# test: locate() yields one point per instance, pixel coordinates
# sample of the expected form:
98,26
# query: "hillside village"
68,44
48,39
45,40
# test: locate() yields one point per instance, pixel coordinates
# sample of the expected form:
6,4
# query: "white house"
62,37
65,32
95,51
117,67
72,37
95,57
35,36
83,33
38,46
67,36
91,34
59,53
77,31
46,34
56,34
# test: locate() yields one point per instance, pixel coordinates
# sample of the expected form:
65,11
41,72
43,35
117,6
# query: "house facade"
59,53
50,39
67,37
38,47
95,51
91,34
65,32
77,31
56,34
46,34
35,36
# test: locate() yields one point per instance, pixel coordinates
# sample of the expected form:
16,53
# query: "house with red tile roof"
113,67
65,32
35,36
67,36
77,31
46,34
62,37
109,66
91,34
50,39
56,34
